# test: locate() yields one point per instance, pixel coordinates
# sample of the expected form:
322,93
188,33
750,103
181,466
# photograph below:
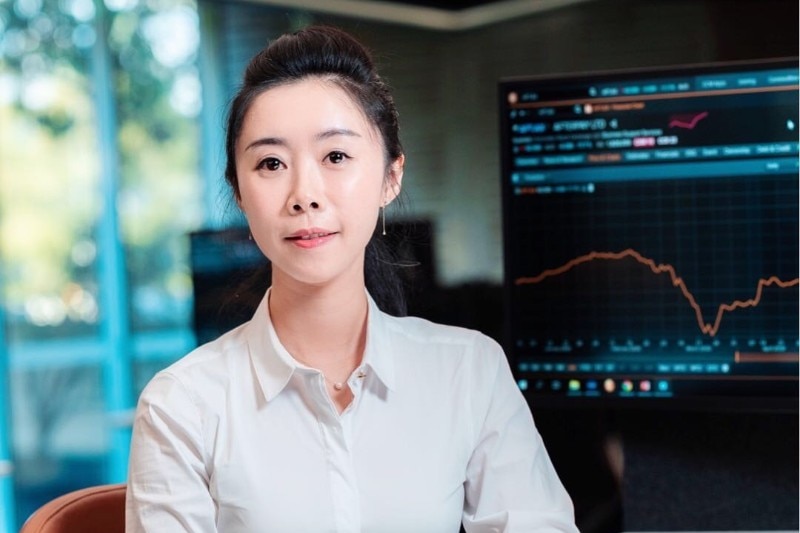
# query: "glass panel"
48,169
60,433
154,47
50,207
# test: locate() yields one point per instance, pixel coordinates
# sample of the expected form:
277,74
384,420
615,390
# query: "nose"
306,194
309,205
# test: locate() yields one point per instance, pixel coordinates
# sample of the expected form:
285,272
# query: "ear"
394,180
242,209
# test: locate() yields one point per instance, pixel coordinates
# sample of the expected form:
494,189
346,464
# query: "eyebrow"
278,141
333,132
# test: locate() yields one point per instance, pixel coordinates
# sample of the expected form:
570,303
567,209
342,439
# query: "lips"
311,238
309,234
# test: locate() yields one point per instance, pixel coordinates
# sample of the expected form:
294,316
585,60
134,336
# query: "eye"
269,163
337,157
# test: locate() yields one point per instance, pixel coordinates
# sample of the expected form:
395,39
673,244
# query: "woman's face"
312,178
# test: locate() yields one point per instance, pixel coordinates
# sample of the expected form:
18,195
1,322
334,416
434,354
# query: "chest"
382,466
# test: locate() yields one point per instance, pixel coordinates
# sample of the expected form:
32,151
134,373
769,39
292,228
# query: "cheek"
368,187
363,205
256,197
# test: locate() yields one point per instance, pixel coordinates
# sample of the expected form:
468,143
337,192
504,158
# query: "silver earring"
383,218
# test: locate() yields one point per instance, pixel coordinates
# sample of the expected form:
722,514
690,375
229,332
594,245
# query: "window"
99,185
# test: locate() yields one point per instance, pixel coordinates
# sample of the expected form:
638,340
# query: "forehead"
304,107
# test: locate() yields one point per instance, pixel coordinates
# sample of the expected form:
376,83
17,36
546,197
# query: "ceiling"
448,5
443,15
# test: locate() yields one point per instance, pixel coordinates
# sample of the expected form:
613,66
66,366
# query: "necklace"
339,385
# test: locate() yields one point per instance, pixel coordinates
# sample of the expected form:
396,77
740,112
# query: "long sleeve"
511,484
167,480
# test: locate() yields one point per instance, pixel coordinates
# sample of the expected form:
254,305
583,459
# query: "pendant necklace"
339,385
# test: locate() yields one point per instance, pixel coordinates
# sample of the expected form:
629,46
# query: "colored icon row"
619,367
594,387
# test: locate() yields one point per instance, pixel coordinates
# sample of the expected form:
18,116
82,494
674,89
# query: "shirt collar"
379,352
272,363
274,366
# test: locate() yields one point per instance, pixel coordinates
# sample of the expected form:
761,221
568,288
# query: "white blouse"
239,437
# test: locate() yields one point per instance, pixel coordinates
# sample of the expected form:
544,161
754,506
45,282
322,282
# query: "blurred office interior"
111,135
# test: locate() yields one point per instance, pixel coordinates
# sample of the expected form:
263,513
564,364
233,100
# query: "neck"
322,327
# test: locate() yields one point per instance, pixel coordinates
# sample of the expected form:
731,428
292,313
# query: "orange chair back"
98,509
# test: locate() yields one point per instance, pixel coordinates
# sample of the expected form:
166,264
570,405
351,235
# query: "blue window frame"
96,289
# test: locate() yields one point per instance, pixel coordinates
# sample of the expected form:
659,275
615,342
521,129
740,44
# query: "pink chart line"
675,123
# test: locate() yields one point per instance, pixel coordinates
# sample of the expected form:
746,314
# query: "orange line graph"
760,357
707,328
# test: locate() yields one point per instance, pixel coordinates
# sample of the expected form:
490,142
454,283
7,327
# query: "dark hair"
332,54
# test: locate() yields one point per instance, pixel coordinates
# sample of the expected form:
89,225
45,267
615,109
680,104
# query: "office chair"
97,509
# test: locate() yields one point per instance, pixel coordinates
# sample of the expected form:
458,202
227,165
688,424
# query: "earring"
383,218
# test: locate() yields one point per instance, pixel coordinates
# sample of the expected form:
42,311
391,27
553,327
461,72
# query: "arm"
167,479
511,484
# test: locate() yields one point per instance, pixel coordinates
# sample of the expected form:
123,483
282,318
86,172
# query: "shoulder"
422,331
440,348
206,368
457,369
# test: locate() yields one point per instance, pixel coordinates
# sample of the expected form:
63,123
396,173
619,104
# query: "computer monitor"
650,222
229,278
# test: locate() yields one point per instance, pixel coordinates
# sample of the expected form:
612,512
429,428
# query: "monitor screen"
229,280
650,224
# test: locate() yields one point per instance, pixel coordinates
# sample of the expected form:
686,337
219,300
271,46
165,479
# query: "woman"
323,413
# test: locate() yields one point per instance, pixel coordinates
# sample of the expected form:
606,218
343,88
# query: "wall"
445,88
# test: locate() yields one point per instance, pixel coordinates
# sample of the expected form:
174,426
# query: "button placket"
341,474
